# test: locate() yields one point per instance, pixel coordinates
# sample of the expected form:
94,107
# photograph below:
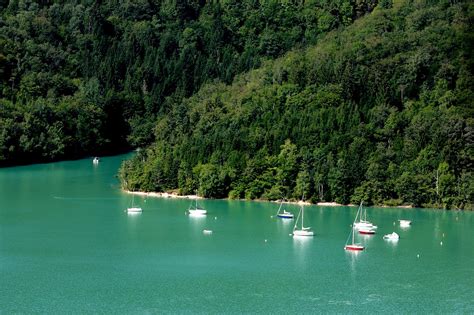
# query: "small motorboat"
96,160
404,223
391,237
366,231
207,231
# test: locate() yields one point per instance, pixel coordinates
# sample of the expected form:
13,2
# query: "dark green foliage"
379,111
115,66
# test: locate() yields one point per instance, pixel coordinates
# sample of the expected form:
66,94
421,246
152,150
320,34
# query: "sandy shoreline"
162,195
176,196
322,204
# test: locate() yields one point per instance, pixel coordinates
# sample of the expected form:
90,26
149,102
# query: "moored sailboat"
285,214
195,209
133,208
303,231
353,246
363,223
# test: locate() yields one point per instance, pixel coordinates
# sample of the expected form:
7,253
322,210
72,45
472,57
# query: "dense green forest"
92,77
379,110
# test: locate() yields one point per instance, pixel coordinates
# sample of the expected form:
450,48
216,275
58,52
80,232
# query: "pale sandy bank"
162,195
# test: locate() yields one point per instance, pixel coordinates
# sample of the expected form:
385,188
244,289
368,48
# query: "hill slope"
379,111
90,77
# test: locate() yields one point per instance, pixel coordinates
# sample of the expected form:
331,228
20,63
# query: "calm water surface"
67,246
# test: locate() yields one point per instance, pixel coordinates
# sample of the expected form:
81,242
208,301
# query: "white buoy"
418,256
265,240
215,218
441,243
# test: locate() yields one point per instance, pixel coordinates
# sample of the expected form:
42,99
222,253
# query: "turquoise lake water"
67,246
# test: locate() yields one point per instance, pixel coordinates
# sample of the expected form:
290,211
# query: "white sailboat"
353,246
133,208
363,224
303,231
195,209
285,214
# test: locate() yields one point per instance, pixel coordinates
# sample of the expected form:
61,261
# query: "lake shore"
174,195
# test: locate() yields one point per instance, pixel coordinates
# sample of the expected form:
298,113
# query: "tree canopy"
379,110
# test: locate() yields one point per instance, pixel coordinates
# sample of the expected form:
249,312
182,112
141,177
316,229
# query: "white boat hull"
364,225
391,237
197,212
134,210
303,233
405,223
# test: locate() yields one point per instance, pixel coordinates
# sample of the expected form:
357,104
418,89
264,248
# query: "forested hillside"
91,77
380,110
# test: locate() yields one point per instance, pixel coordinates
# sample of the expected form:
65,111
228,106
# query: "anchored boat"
285,214
353,246
133,208
303,231
391,237
363,223
195,209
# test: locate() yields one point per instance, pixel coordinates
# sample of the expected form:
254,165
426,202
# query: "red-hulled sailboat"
353,246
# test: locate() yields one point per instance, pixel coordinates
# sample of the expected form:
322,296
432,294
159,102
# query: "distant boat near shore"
285,214
133,208
96,160
195,209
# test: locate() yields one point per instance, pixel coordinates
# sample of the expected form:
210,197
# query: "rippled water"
67,246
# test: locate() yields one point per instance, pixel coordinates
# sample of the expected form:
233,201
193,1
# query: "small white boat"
404,223
133,208
363,223
96,160
303,231
196,210
391,237
207,231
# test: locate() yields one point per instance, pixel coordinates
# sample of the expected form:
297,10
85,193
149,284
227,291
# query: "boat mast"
281,204
353,235
302,217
